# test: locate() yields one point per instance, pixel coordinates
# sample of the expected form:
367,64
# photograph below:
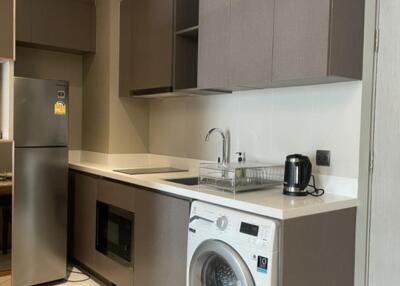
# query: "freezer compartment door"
40,112
39,252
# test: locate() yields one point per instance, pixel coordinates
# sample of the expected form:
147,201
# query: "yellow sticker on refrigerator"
60,108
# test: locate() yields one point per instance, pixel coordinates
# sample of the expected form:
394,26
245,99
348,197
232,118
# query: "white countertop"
271,203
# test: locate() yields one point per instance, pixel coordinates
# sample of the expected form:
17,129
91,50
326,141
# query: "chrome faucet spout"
225,143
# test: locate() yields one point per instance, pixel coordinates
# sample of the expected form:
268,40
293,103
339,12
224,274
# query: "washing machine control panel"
251,230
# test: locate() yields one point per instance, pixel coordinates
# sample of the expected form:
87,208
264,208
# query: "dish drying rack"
240,177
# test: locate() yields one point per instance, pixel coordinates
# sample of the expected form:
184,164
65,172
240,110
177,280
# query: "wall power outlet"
323,158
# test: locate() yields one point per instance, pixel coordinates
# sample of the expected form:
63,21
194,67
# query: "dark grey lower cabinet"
160,232
84,218
87,190
319,250
160,239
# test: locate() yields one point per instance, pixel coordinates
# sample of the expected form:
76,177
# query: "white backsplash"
267,125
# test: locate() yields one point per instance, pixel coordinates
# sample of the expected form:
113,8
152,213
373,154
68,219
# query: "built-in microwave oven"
115,233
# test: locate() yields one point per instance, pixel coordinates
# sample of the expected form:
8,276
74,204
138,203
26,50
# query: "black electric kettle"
297,175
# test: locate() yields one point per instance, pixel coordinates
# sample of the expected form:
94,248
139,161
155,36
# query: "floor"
5,262
75,277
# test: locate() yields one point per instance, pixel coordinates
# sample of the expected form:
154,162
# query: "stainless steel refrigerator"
39,236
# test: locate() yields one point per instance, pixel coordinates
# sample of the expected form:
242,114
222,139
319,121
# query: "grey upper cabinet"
23,21
213,44
301,39
251,42
7,30
146,46
161,224
235,44
317,41
270,43
58,24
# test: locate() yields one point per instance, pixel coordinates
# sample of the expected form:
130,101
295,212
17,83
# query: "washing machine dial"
222,223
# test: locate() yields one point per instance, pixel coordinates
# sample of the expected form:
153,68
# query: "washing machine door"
215,263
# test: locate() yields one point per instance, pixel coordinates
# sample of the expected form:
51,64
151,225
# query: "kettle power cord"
316,192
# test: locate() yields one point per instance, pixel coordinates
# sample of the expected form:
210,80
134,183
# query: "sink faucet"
225,143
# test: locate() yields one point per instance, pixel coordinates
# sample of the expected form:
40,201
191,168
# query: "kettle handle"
306,174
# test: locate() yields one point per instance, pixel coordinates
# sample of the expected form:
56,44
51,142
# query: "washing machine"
227,247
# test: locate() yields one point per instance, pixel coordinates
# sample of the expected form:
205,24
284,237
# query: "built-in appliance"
115,233
144,171
229,247
40,197
297,175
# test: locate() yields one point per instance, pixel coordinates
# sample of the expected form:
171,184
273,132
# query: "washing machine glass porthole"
215,263
217,272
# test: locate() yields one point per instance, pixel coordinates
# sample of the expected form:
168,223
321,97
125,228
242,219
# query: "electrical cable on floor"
87,277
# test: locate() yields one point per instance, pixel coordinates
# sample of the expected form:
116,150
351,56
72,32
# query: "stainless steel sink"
190,181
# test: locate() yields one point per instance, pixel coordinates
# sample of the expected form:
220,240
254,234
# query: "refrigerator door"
40,112
39,237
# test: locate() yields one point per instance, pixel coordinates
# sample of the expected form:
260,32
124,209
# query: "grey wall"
110,124
5,157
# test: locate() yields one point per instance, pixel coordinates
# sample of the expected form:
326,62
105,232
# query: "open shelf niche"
186,44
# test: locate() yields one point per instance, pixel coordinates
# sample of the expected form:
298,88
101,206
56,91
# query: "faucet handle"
241,157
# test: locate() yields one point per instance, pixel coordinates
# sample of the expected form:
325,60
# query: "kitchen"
146,81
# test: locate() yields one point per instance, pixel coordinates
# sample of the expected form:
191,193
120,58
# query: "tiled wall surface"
266,124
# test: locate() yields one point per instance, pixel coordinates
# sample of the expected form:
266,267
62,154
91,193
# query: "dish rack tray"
240,177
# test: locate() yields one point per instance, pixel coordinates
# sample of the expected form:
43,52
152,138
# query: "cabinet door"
116,194
214,42
301,39
160,239
122,196
7,29
251,44
23,20
151,44
84,219
67,24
